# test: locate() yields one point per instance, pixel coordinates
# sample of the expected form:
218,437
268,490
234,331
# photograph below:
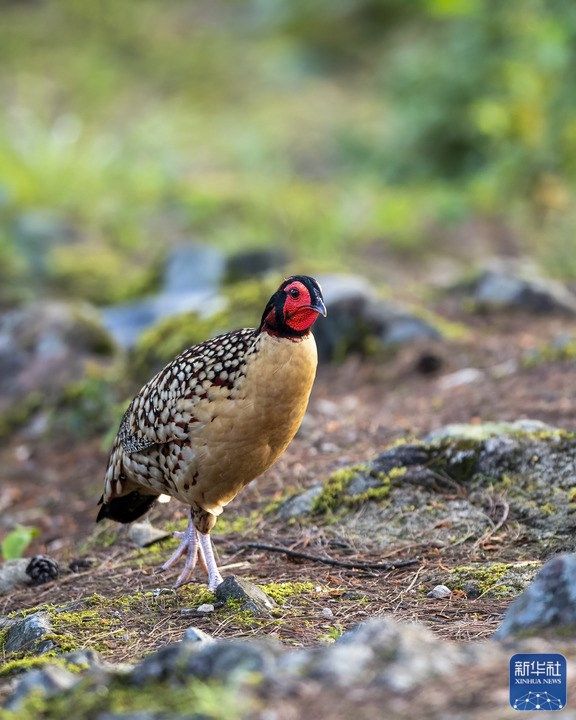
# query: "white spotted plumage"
215,418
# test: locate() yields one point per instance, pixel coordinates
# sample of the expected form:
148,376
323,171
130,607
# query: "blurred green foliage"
321,125
14,543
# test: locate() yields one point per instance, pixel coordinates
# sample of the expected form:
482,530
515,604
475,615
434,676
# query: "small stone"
12,574
42,569
80,564
466,376
205,608
440,591
195,635
428,363
327,613
250,597
142,534
300,504
472,590
27,634
22,453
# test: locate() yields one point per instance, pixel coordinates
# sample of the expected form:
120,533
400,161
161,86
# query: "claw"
196,546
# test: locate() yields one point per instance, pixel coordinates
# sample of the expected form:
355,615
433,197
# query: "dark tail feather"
126,508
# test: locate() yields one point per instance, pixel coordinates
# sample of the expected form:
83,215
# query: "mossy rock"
243,305
494,579
99,273
352,486
60,358
454,486
210,700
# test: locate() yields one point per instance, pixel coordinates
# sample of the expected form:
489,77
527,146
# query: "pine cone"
42,569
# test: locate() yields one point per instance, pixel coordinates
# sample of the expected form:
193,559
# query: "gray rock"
85,656
502,287
143,534
395,326
380,651
249,264
28,634
358,320
191,281
167,662
43,348
548,604
250,597
233,660
299,505
193,267
440,591
13,574
127,321
484,431
226,660
341,665
49,681
479,462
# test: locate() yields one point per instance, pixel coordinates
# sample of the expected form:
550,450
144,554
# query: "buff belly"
251,429
239,433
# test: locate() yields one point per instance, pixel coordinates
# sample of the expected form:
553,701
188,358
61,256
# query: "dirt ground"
357,409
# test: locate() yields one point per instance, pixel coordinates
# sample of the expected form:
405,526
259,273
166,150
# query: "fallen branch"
330,561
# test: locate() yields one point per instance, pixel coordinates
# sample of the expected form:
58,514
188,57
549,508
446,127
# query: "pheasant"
214,419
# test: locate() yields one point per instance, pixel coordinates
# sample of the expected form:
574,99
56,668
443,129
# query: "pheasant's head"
293,308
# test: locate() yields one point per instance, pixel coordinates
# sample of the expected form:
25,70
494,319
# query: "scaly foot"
195,545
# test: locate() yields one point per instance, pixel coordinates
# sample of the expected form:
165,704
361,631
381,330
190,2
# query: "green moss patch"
496,580
335,495
281,592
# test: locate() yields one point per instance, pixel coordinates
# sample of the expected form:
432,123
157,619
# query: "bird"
214,419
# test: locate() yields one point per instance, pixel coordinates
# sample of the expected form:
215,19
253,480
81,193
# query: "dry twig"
330,561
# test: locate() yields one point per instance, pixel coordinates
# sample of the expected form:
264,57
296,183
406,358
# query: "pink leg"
207,554
189,545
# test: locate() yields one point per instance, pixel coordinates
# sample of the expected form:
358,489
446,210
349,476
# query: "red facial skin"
298,314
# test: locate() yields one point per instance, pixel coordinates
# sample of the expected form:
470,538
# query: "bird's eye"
294,292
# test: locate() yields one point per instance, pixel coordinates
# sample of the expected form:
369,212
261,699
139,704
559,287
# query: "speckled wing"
163,410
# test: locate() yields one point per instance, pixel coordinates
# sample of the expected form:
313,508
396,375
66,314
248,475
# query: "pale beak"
319,307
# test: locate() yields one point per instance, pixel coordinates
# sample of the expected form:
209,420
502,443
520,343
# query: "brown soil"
356,410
